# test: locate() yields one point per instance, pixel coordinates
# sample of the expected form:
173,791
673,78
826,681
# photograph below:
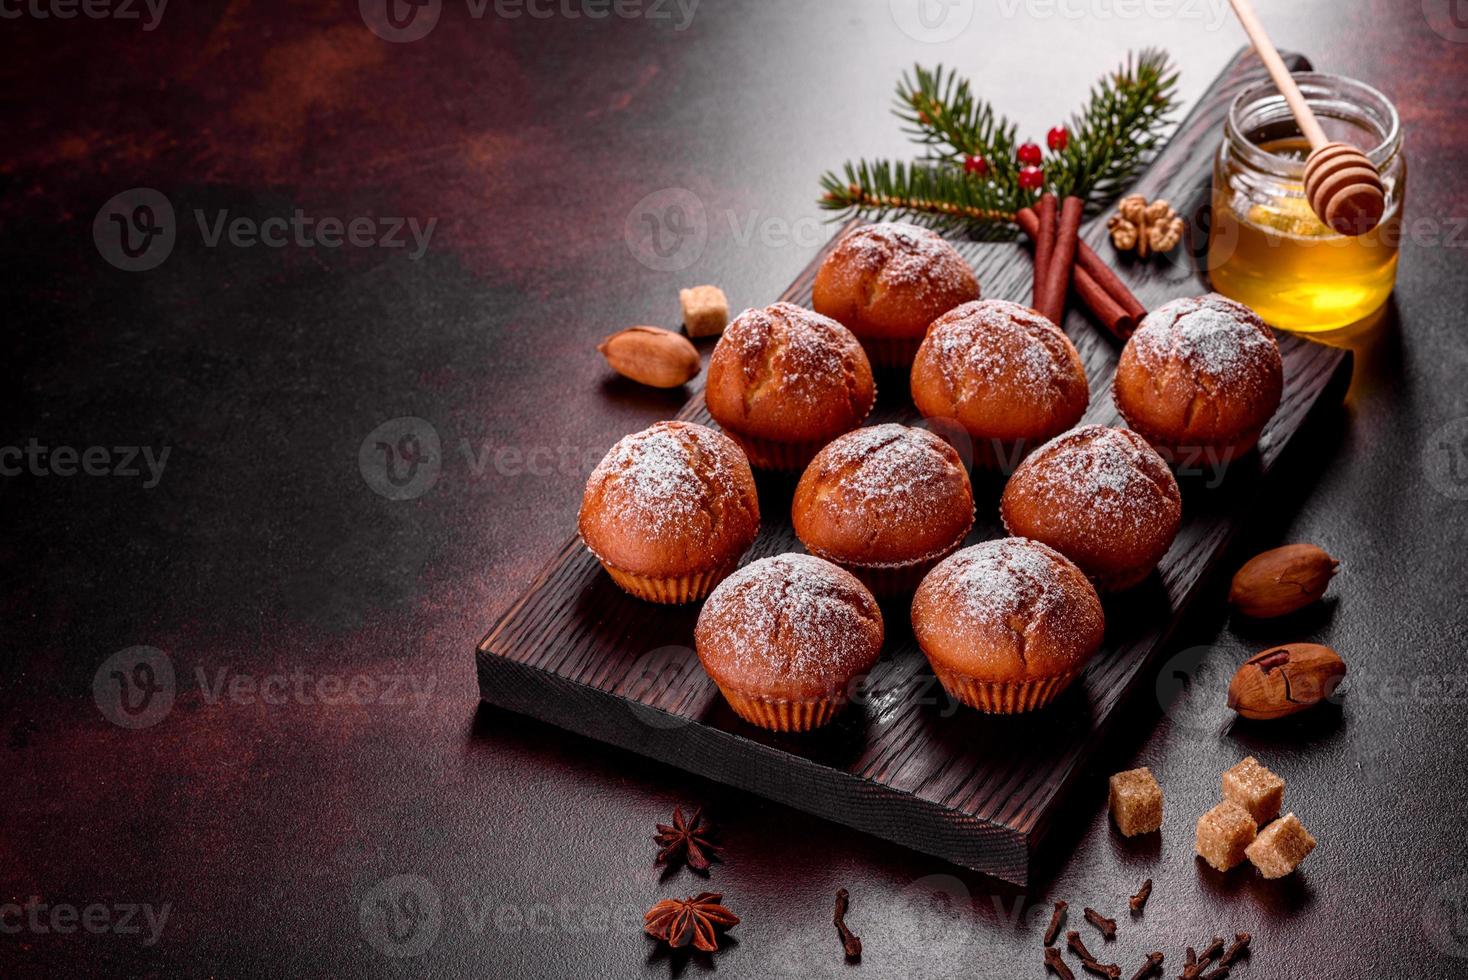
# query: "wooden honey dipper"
1343,187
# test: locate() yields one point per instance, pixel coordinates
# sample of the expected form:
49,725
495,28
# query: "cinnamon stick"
1045,210
1062,260
1093,280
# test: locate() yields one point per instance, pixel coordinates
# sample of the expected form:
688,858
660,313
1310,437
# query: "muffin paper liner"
1003,698
782,715
673,590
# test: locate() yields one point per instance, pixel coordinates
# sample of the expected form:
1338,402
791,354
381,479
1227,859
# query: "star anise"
687,840
678,922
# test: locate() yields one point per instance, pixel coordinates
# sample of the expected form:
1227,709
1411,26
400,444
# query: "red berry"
1057,138
1031,178
1029,154
975,164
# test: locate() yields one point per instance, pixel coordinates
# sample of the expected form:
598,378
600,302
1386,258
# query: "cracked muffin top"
672,499
1005,611
786,374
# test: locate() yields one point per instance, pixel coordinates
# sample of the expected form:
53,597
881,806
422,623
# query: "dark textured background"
266,828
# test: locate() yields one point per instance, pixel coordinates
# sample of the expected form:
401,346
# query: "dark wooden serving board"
906,763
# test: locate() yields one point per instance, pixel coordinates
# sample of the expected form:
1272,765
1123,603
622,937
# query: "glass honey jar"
1266,248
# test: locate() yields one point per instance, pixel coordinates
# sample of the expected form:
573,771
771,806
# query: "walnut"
1145,227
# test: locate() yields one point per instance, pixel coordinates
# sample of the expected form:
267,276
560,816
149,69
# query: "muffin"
1007,624
886,503
886,282
669,510
1006,374
1200,375
784,638
1102,497
783,382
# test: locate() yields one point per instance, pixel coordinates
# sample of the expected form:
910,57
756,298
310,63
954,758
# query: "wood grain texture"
905,761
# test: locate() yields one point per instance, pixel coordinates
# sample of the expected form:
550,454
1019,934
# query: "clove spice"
1056,918
1213,952
1107,926
1152,967
1218,974
1073,940
1139,900
1109,970
1240,945
1056,965
850,941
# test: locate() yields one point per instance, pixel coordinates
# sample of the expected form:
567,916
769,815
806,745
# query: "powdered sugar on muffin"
989,343
893,469
1218,338
793,617
806,356
1121,479
673,477
909,255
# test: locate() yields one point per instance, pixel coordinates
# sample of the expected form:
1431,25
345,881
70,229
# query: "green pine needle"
1111,140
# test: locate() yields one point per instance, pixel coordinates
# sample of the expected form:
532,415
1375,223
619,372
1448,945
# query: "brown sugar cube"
1136,802
1254,788
1280,847
705,310
1223,833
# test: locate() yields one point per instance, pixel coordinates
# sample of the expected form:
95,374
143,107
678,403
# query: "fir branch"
1111,140
1114,137
941,111
933,193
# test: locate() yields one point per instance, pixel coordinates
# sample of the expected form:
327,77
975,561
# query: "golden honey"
1266,247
